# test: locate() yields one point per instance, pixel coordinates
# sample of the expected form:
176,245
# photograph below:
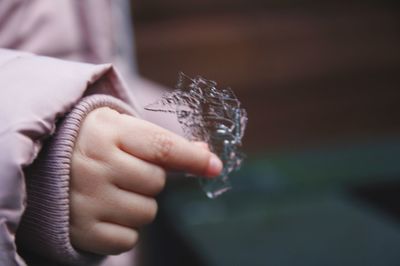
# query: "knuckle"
105,115
158,179
87,178
123,244
97,132
98,120
162,146
150,212
116,244
88,145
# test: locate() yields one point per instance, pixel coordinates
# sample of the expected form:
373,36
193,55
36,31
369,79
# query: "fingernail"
214,165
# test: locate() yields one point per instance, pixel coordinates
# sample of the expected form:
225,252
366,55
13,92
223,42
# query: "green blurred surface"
325,166
293,209
298,229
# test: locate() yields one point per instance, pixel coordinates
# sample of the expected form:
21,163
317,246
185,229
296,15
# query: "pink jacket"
42,104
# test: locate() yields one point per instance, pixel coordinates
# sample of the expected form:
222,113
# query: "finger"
155,144
135,175
201,144
175,174
109,239
128,209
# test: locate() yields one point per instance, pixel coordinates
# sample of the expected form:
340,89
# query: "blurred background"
320,82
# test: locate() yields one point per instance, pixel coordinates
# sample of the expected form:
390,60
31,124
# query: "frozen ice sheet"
212,115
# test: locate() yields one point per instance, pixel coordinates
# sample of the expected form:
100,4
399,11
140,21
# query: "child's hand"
118,166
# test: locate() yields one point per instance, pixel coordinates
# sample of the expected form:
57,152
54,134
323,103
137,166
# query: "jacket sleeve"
43,233
35,91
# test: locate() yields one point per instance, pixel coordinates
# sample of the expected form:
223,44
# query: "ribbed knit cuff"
44,229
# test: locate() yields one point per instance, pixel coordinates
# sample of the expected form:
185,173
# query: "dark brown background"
307,72
320,81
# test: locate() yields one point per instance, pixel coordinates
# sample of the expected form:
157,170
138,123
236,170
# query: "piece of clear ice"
210,115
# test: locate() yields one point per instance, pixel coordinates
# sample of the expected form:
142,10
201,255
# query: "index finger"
152,143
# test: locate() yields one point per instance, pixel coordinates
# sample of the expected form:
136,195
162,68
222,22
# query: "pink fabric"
68,29
35,92
87,31
43,234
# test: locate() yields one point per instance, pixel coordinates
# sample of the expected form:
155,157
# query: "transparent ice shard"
210,115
